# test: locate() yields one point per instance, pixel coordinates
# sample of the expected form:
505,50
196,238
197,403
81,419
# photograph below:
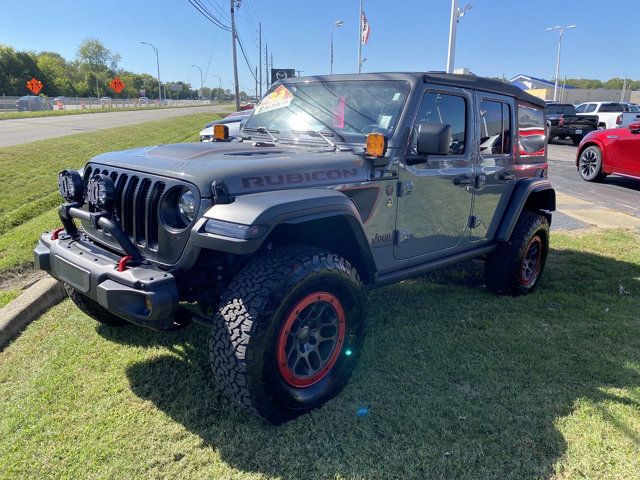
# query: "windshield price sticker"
279,98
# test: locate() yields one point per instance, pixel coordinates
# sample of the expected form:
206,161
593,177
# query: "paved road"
14,132
614,202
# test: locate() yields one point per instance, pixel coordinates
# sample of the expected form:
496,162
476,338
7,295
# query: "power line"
197,4
218,9
246,59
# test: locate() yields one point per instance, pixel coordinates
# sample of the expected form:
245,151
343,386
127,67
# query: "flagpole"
360,40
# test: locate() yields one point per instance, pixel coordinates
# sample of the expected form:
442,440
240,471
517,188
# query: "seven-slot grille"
136,207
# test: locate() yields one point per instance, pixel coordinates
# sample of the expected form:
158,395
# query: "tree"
93,54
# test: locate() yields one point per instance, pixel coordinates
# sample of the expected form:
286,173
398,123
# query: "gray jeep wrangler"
338,184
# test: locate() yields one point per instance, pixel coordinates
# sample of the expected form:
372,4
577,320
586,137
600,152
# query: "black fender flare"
532,194
275,208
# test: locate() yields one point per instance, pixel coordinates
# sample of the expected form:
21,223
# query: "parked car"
143,101
563,122
627,118
607,112
106,101
347,183
615,151
33,103
234,122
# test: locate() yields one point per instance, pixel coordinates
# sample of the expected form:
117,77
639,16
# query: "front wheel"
288,332
590,164
515,267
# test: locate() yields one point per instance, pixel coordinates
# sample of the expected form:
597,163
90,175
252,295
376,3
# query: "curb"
31,303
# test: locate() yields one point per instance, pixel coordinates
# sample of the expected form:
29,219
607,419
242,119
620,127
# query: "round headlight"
187,206
101,192
70,185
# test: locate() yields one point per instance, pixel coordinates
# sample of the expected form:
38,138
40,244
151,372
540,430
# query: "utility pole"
360,39
266,65
561,30
260,55
235,58
256,83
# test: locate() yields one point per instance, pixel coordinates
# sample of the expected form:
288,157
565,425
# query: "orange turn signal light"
376,145
220,132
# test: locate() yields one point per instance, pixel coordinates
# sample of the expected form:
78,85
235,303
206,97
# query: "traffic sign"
117,85
35,86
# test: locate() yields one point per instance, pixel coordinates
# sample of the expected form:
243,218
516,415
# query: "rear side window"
445,109
495,128
532,136
590,108
581,108
612,107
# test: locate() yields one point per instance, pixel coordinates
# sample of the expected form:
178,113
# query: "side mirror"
433,139
634,127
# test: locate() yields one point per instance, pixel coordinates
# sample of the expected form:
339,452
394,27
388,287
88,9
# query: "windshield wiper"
264,130
324,136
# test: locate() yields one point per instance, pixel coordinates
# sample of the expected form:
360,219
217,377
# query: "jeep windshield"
345,111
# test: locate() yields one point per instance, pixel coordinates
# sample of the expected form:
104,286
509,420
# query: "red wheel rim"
531,262
311,339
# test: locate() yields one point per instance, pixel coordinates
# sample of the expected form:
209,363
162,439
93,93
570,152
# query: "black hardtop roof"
453,79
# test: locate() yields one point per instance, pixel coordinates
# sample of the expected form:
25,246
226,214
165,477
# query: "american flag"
366,29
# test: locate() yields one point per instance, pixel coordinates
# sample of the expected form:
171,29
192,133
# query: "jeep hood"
244,167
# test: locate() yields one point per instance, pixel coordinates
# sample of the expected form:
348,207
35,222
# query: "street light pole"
201,81
338,24
158,63
561,30
456,14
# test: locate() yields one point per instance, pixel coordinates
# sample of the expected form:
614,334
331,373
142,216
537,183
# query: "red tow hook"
56,233
122,263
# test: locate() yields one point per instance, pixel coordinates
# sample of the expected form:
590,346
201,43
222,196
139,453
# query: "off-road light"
187,206
70,185
235,230
101,192
220,132
376,145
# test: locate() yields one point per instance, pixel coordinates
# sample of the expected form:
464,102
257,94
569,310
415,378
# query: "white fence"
9,103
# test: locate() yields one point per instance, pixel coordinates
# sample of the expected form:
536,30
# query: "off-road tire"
505,266
93,309
590,164
253,316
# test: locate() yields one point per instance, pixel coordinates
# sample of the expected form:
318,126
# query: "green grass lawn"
29,176
459,383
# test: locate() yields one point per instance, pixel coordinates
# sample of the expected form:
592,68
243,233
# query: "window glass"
591,108
612,107
495,128
581,108
445,109
531,130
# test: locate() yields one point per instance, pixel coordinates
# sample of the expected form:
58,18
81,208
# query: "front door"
626,157
495,162
436,192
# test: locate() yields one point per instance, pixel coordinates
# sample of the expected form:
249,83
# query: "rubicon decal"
298,178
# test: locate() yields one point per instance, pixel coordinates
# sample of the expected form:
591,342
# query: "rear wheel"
93,309
288,332
590,164
516,266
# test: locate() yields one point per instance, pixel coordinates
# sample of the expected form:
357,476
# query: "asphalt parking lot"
612,203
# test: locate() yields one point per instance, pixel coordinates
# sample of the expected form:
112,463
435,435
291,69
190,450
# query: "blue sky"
495,38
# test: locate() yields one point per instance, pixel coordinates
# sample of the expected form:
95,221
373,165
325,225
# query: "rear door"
434,201
495,162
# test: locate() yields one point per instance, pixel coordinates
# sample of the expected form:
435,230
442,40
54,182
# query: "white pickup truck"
608,112
627,118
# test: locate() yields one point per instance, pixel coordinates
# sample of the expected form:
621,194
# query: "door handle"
506,177
464,180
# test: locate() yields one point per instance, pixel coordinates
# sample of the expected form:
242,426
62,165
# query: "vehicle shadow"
457,382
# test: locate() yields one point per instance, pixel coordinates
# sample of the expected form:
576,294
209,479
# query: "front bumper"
142,294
